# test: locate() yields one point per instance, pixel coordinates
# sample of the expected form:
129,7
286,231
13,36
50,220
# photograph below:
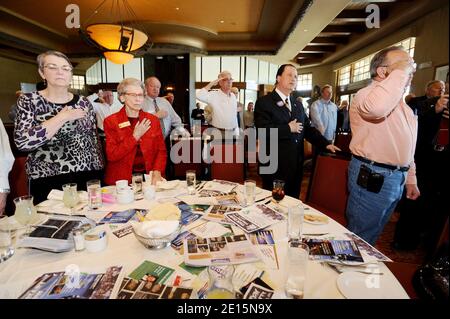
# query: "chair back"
231,165
327,190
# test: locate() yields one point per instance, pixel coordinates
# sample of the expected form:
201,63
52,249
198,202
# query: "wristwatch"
5,190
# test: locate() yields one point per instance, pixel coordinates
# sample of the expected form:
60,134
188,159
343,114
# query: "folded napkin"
155,228
56,194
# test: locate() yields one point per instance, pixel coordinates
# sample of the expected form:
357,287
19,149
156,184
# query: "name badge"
124,124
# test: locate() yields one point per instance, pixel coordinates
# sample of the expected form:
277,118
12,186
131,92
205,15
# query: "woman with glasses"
134,140
58,129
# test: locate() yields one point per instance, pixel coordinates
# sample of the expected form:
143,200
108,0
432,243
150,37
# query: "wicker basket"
157,243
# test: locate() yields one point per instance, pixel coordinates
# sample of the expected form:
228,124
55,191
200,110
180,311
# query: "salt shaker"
78,239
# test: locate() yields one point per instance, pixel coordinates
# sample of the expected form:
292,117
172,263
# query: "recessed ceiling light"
222,21
180,57
177,8
159,58
306,30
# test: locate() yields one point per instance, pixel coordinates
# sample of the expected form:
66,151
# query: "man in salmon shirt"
383,144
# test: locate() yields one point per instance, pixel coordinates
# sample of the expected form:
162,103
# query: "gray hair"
431,83
121,88
379,59
40,58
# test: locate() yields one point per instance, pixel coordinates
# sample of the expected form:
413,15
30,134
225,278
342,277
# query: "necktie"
160,120
286,103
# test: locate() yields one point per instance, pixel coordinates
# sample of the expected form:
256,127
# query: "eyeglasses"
54,67
134,95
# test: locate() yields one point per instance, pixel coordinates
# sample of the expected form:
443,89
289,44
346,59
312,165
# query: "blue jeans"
368,212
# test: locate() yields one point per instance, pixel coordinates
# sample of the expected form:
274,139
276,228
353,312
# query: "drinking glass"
25,211
70,196
136,181
297,260
295,221
278,191
220,282
249,192
196,128
94,193
6,247
191,181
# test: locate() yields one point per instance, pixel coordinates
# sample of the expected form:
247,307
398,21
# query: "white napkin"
56,194
148,177
155,228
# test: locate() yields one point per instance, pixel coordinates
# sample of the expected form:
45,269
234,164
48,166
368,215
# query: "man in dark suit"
278,110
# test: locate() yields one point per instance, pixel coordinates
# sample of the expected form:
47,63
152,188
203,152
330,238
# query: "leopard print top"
74,148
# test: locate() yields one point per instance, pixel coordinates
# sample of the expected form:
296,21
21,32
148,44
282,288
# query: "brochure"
64,285
217,213
264,242
322,249
150,271
220,186
370,252
122,217
191,213
255,217
144,289
219,251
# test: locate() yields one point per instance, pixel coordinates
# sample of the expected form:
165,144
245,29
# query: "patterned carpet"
384,242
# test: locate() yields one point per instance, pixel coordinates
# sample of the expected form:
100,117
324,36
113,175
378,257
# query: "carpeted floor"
384,242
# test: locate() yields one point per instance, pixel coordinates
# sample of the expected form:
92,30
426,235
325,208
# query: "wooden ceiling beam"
328,41
318,49
345,29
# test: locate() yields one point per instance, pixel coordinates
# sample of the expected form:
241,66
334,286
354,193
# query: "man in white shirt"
104,107
6,163
160,107
223,102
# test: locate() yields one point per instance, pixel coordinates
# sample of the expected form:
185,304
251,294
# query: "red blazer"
121,146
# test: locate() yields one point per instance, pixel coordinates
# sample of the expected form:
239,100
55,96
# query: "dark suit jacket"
270,112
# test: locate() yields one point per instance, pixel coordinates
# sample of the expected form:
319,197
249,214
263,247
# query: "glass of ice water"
6,247
249,192
94,193
70,195
295,221
297,260
136,181
190,181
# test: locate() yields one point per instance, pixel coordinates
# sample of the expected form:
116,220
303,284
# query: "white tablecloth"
19,272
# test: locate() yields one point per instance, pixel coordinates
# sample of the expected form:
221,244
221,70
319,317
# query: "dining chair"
327,190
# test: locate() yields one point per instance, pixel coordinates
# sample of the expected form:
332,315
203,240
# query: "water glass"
196,128
25,211
249,192
190,181
297,260
295,221
137,181
6,247
94,190
70,195
220,282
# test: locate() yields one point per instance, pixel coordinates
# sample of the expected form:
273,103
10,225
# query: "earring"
45,82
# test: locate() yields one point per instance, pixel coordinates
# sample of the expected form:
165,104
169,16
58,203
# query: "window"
77,82
304,82
344,75
361,69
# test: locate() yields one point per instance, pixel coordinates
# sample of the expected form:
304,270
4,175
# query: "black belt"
391,167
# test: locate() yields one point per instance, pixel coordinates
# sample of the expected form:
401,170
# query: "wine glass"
278,191
70,196
25,211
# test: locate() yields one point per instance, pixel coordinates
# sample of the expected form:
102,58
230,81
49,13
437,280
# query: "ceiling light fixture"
120,38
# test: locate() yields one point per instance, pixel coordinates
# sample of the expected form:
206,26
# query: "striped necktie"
160,120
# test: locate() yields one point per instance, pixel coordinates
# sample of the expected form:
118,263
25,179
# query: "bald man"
160,107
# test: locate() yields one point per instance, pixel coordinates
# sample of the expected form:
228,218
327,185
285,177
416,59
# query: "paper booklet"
220,186
322,249
73,285
54,234
152,281
123,216
369,252
221,250
255,217
264,242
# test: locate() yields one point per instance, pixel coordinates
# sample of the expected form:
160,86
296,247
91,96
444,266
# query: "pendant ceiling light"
119,41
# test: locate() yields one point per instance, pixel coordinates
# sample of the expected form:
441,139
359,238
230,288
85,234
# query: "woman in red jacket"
134,140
